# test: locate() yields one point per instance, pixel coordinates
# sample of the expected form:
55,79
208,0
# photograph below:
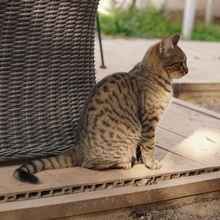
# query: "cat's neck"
150,67
150,70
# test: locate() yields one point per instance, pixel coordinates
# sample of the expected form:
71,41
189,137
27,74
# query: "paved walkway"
123,54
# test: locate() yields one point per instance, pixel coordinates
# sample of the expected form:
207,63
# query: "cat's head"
172,58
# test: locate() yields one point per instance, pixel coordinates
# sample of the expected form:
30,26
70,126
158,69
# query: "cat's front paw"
153,165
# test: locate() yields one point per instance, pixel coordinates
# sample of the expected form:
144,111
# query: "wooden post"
142,4
188,18
208,11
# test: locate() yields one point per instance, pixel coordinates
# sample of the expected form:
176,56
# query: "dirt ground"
208,210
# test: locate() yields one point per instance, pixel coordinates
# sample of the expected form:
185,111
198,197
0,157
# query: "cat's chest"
155,102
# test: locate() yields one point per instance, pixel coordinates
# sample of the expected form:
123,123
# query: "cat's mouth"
185,71
178,75
184,68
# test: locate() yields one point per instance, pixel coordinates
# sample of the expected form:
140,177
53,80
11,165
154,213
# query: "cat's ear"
166,44
175,39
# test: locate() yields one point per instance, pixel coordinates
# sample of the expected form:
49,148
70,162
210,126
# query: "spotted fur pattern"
120,115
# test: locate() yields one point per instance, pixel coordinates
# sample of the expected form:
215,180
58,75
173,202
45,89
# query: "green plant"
136,23
205,32
132,217
161,216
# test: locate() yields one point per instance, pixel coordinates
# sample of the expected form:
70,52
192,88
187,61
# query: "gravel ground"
209,210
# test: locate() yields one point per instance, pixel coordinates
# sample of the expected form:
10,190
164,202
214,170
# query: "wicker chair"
46,72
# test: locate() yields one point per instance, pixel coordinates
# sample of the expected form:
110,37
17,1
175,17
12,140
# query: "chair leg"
100,42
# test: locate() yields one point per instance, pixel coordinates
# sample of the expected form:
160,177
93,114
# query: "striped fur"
120,115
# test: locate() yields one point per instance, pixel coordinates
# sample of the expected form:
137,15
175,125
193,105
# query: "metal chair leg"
100,42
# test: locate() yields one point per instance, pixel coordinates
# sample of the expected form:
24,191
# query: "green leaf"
210,140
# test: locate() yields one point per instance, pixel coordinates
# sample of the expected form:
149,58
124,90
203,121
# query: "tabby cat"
120,115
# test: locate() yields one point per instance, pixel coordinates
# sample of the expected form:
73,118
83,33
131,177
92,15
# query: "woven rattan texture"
46,72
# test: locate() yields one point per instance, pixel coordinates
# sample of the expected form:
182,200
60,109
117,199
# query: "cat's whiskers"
178,87
181,87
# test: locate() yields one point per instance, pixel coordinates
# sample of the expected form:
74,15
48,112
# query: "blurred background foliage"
152,23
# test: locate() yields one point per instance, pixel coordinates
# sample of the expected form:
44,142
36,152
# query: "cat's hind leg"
98,164
125,165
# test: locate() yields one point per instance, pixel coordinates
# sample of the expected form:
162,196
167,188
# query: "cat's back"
120,82
112,105
113,91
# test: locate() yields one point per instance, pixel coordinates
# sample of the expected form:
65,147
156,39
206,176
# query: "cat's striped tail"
25,172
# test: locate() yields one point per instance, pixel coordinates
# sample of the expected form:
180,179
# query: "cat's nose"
185,68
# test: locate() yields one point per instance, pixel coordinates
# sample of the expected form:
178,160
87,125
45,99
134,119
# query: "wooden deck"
188,148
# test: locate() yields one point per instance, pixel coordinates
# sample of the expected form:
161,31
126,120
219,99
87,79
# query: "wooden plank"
179,150
197,109
195,148
123,54
202,94
69,205
184,118
77,176
192,134
18,188
206,201
196,87
81,176
207,138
